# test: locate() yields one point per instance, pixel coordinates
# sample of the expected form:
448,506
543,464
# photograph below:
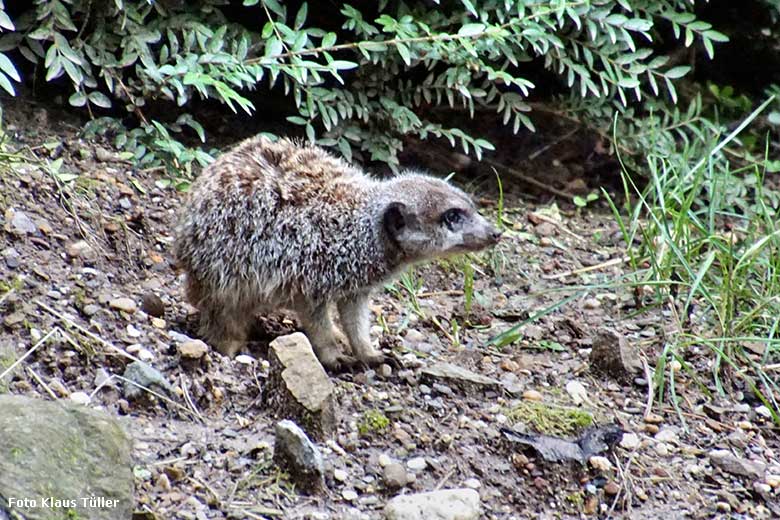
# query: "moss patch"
550,419
373,421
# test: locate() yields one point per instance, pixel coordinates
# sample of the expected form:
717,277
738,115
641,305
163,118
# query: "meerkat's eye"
452,217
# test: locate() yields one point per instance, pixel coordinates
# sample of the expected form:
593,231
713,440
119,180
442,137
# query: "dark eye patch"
452,217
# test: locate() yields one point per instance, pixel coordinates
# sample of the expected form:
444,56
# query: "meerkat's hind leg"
319,329
225,327
355,318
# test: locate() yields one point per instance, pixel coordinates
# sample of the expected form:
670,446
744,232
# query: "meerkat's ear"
395,218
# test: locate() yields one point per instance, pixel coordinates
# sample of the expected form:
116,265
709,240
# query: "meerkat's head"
427,218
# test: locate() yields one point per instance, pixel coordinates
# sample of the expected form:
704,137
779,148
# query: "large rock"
295,453
298,387
63,461
447,504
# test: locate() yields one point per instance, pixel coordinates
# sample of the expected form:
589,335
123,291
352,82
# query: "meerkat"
279,224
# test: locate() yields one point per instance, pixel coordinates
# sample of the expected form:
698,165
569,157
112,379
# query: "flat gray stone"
63,461
146,376
447,504
459,377
21,224
730,463
298,387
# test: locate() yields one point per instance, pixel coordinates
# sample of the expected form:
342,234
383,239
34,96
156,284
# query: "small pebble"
662,449
666,435
152,305
630,441
384,460
763,411
773,481
652,429
158,323
244,359
591,303
132,332
762,489
90,310
194,349
340,475
532,395
349,495
723,507
163,482
413,336
77,249
80,397
123,304
394,476
385,371
600,463
472,483
653,419
416,464
611,488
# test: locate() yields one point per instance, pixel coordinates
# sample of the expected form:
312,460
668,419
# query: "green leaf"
5,21
677,72
67,177
273,47
638,24
77,99
300,18
470,29
628,82
99,99
470,7
250,3
8,68
343,65
716,36
403,50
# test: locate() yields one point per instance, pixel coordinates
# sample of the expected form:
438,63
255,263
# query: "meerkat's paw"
337,362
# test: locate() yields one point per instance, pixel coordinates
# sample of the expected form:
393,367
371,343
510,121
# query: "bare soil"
207,452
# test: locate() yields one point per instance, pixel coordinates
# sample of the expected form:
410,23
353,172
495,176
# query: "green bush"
364,86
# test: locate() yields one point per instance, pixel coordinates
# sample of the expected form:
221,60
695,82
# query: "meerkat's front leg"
319,329
356,321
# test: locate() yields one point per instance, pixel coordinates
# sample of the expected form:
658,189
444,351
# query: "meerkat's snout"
480,234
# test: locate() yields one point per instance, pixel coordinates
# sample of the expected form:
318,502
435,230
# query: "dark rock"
153,305
295,453
591,442
612,355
